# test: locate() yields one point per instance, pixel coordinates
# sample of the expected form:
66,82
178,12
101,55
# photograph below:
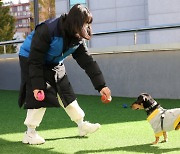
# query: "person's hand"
36,91
106,91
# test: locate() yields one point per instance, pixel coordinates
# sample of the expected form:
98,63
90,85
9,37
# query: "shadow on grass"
7,147
68,137
143,148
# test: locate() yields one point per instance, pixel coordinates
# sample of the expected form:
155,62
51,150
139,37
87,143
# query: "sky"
15,1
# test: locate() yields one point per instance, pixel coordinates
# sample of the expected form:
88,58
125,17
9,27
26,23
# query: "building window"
24,21
73,2
20,8
27,8
14,9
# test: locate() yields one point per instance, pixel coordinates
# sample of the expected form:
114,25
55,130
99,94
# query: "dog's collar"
150,109
153,105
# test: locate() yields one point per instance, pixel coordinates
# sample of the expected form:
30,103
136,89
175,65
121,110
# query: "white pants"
35,116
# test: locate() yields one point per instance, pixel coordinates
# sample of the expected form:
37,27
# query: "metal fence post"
4,49
36,12
135,38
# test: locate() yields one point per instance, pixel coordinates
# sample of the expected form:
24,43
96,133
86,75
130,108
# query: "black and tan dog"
162,120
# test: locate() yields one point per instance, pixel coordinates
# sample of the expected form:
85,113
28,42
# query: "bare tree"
46,10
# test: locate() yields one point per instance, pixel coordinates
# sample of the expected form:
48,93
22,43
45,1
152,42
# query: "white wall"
163,12
61,7
126,14
115,15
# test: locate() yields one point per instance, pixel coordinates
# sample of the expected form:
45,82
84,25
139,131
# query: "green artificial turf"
123,130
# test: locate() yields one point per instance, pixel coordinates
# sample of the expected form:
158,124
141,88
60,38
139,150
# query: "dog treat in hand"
105,100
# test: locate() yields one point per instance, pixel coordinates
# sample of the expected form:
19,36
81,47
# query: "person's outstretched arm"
86,62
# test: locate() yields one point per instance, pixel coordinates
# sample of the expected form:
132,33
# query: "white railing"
134,30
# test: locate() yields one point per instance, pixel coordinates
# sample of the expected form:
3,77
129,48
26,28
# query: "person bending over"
41,59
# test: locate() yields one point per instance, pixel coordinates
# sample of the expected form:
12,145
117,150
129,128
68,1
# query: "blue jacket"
55,52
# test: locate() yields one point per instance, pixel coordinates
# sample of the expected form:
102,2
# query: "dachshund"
162,120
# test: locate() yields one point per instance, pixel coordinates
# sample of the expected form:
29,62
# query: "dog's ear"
142,98
145,97
139,99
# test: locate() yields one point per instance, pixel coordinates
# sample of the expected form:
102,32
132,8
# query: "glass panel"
73,2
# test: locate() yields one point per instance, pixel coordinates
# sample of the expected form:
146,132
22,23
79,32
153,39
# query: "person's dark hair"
77,17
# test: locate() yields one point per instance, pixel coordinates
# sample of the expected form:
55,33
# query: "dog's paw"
164,141
155,142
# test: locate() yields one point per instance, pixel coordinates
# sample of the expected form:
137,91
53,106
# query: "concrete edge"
135,48
120,49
